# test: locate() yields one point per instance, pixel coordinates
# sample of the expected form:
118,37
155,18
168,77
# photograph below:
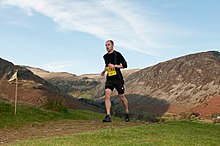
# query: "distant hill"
77,86
32,89
83,86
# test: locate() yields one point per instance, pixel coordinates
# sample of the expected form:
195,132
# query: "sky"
70,35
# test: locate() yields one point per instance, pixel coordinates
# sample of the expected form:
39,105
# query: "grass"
29,115
172,133
178,133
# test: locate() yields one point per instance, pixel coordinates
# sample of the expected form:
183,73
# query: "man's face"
109,46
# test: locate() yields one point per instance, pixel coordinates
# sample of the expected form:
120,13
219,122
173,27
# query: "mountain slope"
184,82
32,89
178,85
77,86
83,86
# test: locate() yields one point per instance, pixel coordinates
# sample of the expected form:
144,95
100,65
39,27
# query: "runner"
114,61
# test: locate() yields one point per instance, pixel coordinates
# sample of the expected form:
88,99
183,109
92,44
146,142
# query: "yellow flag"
14,77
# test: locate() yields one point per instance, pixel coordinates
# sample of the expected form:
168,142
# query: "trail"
56,128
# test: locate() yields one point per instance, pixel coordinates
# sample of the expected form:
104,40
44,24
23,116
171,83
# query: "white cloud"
60,66
19,23
123,21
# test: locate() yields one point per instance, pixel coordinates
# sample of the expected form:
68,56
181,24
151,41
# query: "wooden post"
16,95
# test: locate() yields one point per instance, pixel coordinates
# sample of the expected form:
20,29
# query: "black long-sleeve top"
115,58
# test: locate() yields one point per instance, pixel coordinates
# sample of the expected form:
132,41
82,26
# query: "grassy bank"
29,114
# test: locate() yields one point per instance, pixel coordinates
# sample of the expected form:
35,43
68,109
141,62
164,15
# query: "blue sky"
69,35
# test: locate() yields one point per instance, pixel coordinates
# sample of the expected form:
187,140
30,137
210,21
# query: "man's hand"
103,73
111,65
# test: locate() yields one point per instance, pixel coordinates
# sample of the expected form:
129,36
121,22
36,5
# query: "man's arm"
103,72
123,63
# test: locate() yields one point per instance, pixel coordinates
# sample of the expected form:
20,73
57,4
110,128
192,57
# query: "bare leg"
107,100
124,101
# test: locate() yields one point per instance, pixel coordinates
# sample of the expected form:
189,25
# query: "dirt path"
56,128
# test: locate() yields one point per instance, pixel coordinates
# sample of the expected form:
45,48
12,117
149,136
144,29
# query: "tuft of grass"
30,115
57,105
179,133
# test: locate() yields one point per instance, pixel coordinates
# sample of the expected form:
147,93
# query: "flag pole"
15,77
16,95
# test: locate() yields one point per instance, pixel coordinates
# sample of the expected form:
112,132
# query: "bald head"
109,46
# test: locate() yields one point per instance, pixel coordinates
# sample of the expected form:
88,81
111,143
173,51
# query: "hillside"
187,83
83,86
77,86
32,89
183,82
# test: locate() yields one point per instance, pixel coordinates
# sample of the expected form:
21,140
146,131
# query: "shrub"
215,115
216,121
162,120
216,118
55,104
186,115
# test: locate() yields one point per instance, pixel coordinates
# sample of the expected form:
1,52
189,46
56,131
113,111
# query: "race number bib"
111,71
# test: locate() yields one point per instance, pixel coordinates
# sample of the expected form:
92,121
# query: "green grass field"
168,134
171,133
29,115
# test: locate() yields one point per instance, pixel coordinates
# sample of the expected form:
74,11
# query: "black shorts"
117,84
